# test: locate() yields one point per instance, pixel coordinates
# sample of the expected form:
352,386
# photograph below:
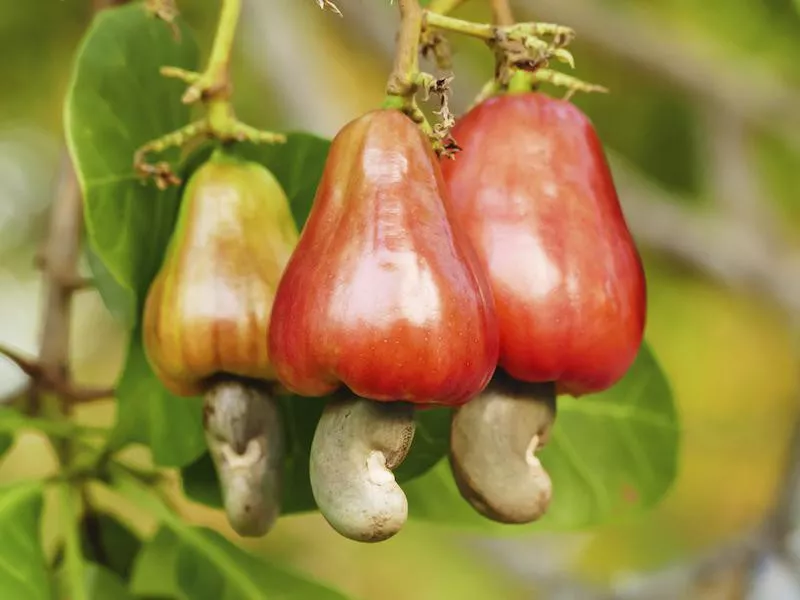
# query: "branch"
748,91
61,254
49,372
501,12
729,249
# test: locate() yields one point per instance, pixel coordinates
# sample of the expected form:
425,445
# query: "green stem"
221,118
401,86
481,31
59,429
486,32
220,58
73,554
520,82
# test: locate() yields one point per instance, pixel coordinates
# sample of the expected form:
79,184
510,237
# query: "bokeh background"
703,130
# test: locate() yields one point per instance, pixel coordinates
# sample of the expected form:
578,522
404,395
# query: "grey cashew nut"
245,437
356,446
493,441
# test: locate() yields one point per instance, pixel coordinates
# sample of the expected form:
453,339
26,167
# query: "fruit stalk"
487,32
213,87
406,60
219,60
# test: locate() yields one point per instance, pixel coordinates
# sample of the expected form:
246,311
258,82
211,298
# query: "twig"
49,372
749,92
214,88
729,157
731,250
61,254
501,13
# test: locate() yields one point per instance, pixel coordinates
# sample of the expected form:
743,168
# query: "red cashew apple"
533,191
384,298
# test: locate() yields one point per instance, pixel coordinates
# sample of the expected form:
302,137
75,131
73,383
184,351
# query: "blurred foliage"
728,354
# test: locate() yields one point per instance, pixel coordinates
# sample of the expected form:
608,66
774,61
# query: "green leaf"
117,101
148,414
118,299
297,165
23,567
206,565
6,441
155,567
73,576
96,583
610,454
106,540
103,584
431,442
211,567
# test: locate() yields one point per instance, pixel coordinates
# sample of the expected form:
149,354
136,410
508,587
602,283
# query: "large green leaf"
155,567
610,454
6,441
108,541
148,414
297,165
103,584
23,567
205,565
210,567
117,101
96,583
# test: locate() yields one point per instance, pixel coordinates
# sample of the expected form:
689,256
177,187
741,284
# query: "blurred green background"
703,130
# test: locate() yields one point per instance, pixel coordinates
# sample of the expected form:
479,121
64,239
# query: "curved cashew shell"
356,446
493,441
245,436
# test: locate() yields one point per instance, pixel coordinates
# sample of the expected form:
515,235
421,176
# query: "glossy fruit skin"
533,190
207,311
383,294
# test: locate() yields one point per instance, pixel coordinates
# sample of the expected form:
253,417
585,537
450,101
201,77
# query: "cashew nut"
493,441
244,434
356,446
